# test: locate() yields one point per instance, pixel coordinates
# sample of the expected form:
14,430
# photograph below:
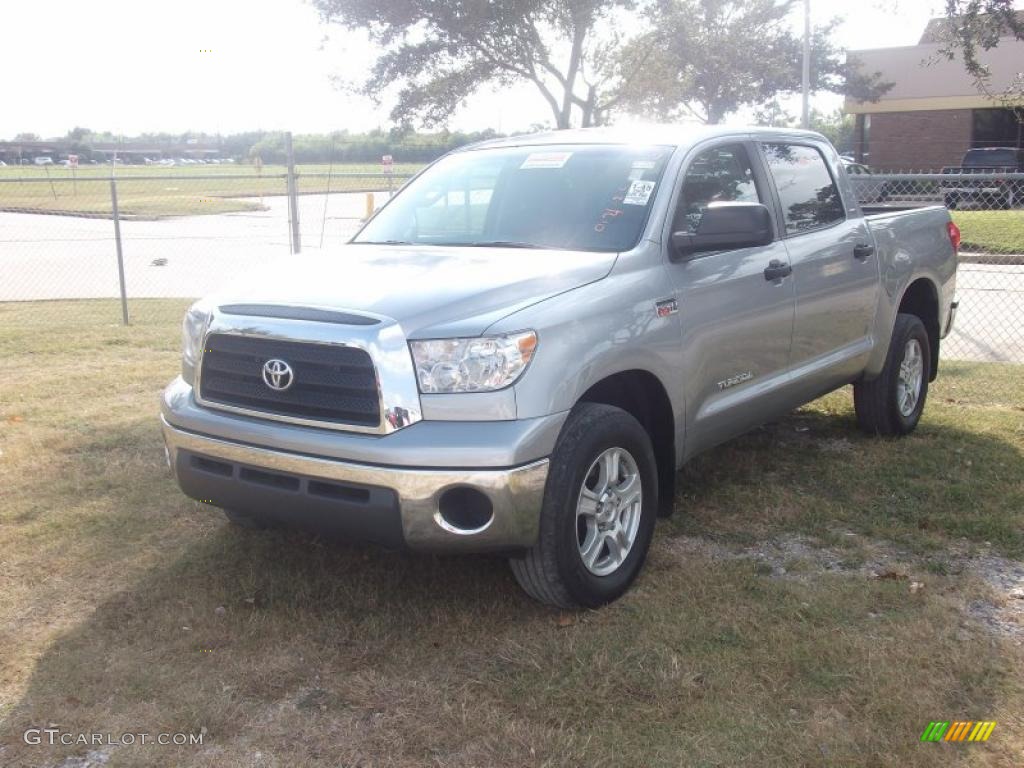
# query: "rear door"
737,322
835,268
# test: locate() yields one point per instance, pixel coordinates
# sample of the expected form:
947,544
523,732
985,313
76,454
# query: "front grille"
330,383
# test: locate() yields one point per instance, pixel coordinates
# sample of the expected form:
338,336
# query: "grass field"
991,231
176,191
125,607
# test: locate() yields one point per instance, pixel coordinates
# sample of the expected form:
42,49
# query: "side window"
807,192
720,174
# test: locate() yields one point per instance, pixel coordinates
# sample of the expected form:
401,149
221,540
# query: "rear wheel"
598,513
892,403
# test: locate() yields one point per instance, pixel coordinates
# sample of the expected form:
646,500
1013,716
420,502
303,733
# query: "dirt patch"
999,606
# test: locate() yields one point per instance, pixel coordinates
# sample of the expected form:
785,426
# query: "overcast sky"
132,66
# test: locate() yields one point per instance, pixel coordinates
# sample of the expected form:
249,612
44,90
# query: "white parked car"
44,161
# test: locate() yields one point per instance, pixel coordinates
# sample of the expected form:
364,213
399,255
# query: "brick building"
934,111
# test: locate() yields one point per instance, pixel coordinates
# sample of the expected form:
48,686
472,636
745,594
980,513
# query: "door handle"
776,270
861,251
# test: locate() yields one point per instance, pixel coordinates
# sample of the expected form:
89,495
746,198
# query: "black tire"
877,402
244,520
553,570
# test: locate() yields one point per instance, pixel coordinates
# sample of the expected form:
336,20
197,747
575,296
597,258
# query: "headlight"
193,329
472,365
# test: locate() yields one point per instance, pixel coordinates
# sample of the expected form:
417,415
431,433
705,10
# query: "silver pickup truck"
518,352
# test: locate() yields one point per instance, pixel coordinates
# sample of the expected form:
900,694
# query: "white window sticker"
545,160
644,165
639,192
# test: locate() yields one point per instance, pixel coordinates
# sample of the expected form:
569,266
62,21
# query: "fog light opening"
464,511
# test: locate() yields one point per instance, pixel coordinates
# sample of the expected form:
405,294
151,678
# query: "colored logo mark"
959,730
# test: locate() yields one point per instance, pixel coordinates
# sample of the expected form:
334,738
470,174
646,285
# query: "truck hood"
432,291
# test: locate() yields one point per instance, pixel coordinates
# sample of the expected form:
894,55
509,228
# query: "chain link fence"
175,234
988,208
181,233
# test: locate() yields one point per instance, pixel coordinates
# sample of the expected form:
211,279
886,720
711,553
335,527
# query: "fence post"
120,254
293,202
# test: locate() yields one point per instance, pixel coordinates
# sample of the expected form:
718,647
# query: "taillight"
954,235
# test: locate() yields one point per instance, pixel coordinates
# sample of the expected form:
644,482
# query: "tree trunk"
589,107
579,31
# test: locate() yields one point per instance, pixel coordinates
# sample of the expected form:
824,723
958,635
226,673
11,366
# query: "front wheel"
892,403
598,514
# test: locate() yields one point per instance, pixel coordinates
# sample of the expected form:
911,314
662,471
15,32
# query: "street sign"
388,163
73,161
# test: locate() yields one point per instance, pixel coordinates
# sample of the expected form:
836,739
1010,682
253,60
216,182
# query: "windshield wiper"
382,242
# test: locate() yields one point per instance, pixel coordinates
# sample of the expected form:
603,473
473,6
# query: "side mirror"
725,227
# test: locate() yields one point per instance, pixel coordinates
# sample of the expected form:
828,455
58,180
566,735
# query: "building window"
997,128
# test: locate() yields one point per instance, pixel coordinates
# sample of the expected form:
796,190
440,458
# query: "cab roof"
645,134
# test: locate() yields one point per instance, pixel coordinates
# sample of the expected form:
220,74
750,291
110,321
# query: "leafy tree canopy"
680,57
440,51
705,59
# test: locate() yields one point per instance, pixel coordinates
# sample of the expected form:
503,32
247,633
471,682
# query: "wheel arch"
642,394
921,298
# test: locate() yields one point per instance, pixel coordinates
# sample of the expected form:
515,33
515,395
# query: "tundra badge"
732,381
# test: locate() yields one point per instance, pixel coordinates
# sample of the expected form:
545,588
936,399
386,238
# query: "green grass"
177,191
961,475
996,232
126,607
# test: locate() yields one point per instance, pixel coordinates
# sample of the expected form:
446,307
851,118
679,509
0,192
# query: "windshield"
579,197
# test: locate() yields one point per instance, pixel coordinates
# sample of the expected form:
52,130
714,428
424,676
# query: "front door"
737,321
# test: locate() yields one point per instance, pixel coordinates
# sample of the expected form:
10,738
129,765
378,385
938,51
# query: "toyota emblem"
278,375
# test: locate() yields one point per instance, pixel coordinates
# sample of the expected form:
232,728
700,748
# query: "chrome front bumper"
515,493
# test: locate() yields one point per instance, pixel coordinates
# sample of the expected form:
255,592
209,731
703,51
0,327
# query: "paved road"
51,257
58,257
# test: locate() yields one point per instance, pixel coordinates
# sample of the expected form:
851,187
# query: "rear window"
807,191
578,197
990,157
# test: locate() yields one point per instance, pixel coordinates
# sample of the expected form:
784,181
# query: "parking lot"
61,257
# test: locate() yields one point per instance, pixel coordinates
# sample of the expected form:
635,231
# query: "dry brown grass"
110,584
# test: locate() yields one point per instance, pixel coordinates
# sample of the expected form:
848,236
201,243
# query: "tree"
78,133
27,137
438,52
973,26
837,127
708,58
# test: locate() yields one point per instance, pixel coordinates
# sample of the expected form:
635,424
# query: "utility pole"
293,193
805,119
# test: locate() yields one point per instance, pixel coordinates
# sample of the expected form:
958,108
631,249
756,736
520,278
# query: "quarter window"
807,191
722,174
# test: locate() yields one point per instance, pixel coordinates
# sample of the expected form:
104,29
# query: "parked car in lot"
521,348
990,192
43,161
865,187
